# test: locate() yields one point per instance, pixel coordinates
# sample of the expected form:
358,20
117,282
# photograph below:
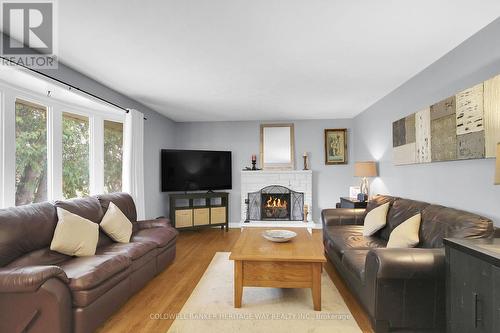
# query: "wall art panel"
470,110
463,126
405,154
444,138
470,145
398,133
492,115
410,129
423,135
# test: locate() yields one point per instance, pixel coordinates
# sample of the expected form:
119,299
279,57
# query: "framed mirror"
277,146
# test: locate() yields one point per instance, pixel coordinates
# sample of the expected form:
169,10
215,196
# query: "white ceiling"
200,60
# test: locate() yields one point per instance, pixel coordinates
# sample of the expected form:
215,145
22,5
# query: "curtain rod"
70,86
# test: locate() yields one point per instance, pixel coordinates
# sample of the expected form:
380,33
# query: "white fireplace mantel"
297,180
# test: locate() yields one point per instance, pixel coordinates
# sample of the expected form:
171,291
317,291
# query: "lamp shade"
365,169
497,167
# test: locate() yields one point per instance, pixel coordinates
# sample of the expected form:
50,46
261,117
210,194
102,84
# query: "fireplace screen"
276,203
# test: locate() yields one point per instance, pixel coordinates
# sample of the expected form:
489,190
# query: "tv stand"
196,210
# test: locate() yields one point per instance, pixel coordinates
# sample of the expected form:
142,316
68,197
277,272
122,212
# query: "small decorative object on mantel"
306,212
254,162
336,146
497,173
304,156
364,170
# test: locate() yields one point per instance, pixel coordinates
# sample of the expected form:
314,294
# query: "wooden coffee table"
262,263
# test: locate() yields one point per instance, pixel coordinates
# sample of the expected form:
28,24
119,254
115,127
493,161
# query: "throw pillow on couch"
74,235
405,235
78,236
116,225
375,220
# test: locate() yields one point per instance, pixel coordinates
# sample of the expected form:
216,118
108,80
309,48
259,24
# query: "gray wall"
462,184
158,133
242,138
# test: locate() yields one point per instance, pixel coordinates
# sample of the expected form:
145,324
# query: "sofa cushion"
354,261
24,229
83,298
88,272
400,211
161,236
440,222
133,250
346,237
123,200
379,200
139,252
88,207
42,257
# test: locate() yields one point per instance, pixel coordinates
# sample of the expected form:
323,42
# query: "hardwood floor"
167,293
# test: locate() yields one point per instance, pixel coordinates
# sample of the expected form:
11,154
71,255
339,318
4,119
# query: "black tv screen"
192,170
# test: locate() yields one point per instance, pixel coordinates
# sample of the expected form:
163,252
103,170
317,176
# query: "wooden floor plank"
166,294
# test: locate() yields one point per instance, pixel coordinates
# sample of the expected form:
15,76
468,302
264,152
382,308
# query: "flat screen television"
192,170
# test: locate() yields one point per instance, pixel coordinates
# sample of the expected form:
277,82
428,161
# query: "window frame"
103,142
35,103
55,109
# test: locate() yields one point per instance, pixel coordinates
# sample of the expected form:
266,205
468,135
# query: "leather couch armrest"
342,216
406,264
148,224
28,278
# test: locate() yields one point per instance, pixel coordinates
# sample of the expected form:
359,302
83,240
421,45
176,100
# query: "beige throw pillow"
406,234
116,225
375,219
74,235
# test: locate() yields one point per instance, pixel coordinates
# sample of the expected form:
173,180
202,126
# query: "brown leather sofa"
46,291
402,290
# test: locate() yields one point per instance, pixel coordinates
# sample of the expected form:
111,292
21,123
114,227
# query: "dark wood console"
196,210
473,285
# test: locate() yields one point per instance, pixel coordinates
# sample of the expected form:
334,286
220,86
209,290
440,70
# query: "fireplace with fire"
275,206
276,203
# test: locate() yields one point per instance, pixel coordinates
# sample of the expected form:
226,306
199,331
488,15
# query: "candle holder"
253,165
247,215
306,167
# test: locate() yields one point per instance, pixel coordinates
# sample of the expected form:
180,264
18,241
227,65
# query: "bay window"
51,149
31,152
75,155
113,153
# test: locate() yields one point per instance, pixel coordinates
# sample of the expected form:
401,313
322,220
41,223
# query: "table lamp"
365,170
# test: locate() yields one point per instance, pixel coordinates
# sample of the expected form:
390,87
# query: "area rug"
210,307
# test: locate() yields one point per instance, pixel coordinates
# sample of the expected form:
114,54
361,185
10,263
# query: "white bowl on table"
279,236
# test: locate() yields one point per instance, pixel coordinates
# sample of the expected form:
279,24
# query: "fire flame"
276,203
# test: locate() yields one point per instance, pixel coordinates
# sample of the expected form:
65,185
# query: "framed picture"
336,146
354,191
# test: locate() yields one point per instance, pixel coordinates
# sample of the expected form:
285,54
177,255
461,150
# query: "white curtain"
133,159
